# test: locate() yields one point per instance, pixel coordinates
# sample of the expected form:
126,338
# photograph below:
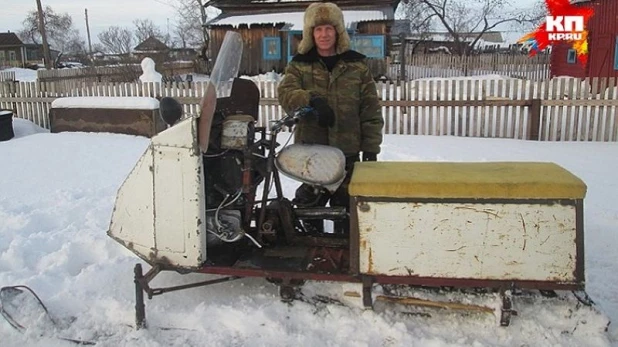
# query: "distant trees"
117,40
144,28
466,21
61,34
189,30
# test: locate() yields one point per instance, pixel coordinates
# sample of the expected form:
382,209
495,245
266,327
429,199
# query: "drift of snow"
58,191
113,102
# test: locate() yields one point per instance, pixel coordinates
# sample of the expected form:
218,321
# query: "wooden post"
402,57
535,119
46,53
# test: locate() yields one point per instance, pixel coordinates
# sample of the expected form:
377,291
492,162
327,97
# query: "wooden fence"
564,109
415,66
7,76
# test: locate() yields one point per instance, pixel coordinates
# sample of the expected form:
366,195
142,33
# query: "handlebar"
291,119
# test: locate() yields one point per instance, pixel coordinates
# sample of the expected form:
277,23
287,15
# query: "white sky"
103,14
58,192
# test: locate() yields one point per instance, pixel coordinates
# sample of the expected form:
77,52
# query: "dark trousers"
306,195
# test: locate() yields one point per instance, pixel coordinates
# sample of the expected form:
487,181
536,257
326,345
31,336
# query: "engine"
229,171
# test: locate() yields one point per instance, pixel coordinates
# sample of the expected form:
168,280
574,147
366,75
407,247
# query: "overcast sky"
105,13
101,13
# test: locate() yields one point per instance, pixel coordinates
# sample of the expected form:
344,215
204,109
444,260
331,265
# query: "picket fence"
562,109
7,76
440,65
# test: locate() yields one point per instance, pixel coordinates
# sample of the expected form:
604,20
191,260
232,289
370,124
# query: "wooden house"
12,50
602,44
271,30
151,47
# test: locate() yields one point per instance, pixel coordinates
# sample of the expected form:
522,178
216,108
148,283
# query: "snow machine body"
213,203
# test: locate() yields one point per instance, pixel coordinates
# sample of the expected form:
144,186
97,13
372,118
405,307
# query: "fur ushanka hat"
321,13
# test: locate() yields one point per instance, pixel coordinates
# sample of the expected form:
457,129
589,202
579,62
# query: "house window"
571,56
616,54
271,48
370,45
2,56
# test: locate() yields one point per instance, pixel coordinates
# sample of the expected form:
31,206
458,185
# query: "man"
337,82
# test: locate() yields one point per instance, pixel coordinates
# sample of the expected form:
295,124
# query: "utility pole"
88,31
46,54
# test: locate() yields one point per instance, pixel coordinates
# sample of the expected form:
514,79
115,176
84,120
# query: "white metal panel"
180,135
475,241
177,202
159,212
133,215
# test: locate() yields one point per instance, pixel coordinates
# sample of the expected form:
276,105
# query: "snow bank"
115,102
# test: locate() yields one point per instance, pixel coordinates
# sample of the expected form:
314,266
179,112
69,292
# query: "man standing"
336,81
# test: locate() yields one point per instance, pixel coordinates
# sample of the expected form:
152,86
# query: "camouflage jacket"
351,93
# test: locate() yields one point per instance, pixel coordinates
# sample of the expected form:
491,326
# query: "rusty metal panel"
500,241
122,121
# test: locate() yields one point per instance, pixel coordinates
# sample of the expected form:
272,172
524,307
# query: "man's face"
325,37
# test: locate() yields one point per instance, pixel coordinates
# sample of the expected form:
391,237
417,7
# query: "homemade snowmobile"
207,197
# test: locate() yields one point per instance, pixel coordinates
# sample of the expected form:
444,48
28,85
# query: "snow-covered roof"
112,102
294,20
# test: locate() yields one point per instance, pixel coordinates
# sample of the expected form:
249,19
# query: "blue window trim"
372,45
266,45
571,56
616,54
291,34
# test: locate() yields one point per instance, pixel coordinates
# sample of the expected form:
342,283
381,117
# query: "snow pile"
114,102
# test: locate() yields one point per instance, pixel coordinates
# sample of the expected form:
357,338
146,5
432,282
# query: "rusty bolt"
363,207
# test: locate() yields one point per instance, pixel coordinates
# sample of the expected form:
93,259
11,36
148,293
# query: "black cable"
20,327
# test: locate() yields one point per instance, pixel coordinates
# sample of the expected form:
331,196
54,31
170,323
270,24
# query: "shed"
151,47
602,44
272,30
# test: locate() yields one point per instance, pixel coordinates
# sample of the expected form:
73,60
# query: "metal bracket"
367,285
507,310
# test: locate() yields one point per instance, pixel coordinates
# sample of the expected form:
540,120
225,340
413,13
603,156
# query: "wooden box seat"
460,223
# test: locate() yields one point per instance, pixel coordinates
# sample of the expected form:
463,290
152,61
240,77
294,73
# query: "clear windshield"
227,64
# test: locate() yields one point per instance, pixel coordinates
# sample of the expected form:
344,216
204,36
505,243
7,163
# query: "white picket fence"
7,76
564,109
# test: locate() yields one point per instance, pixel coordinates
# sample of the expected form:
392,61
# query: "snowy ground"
57,195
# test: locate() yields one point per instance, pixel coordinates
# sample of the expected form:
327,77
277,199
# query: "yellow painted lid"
479,180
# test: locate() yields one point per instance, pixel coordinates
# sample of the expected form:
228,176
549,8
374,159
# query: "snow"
23,75
136,102
58,191
295,19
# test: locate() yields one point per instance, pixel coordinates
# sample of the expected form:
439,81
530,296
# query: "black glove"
369,156
326,116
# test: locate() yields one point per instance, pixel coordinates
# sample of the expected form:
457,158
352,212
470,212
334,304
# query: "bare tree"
420,20
192,15
60,32
466,21
144,28
117,40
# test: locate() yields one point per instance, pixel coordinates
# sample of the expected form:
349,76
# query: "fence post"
402,57
535,119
